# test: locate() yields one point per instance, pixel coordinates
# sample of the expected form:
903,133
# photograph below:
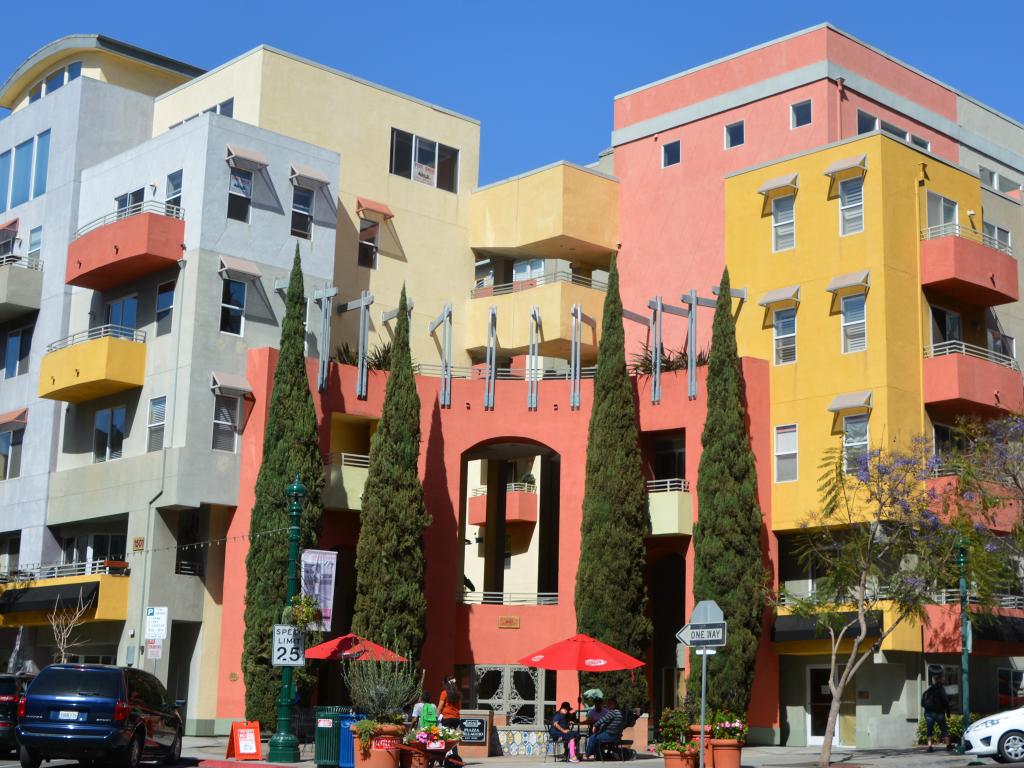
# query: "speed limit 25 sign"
289,649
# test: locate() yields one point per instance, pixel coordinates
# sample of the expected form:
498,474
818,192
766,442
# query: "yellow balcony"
559,212
21,286
554,295
797,636
95,363
671,507
345,479
29,594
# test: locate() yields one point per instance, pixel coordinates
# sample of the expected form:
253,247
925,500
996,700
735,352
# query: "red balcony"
961,378
126,245
520,504
964,264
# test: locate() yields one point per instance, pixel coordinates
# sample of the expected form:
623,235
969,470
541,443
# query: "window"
16,352
225,423
239,194
42,163
942,215
54,81
1002,344
924,144
800,114
785,336
855,336
1010,683
36,93
74,70
232,307
172,197
129,203
164,307
948,441
894,130
369,243
5,178
123,313
997,180
302,212
155,426
108,434
522,694
226,108
996,237
785,453
21,183
866,123
946,326
424,160
851,205
10,453
527,269
783,223
670,154
670,458
734,135
855,440
35,245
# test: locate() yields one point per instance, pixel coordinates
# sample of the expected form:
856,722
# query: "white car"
999,736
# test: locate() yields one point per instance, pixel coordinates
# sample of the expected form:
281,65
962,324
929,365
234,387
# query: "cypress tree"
610,594
390,606
291,447
727,537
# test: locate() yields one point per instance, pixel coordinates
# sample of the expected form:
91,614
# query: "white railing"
28,262
60,570
99,332
149,206
347,460
510,598
945,230
942,597
667,485
561,276
971,350
502,374
481,490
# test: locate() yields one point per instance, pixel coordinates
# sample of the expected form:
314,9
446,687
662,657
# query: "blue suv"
95,712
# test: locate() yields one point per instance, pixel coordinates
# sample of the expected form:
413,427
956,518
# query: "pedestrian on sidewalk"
450,708
424,714
935,704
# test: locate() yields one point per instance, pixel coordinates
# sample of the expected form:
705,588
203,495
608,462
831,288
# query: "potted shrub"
381,690
728,733
690,713
678,754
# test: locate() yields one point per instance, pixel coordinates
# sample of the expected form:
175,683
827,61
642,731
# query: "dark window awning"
789,628
1000,629
24,599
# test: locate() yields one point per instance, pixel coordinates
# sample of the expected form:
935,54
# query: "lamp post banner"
318,573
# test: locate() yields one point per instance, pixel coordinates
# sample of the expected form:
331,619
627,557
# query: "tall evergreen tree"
727,537
291,447
390,608
610,595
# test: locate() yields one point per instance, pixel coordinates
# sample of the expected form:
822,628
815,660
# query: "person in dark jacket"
561,730
607,730
935,704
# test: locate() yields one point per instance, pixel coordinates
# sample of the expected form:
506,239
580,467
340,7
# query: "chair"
619,750
558,750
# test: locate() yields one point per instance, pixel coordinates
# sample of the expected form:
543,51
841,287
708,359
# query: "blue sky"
540,76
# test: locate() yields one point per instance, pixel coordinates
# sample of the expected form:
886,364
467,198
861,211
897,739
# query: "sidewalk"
208,752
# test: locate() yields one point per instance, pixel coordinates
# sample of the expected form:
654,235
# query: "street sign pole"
703,700
706,631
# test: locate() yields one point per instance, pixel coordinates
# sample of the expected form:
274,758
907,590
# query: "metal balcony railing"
99,332
941,597
481,490
971,350
149,206
560,276
510,598
188,568
667,485
39,571
945,230
503,374
347,460
28,262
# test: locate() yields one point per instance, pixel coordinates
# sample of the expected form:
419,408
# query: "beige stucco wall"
239,79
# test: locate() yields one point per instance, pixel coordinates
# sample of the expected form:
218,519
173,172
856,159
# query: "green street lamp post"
965,640
284,747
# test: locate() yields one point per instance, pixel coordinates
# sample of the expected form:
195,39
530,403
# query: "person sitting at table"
607,730
596,712
560,730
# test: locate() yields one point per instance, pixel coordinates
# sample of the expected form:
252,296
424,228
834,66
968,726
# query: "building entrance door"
819,701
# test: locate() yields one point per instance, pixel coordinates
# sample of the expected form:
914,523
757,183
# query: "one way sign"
703,635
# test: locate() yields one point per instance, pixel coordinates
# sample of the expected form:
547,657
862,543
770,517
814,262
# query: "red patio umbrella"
581,653
352,647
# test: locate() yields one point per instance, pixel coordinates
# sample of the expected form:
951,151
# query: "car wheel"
174,753
1011,746
999,758
132,754
29,758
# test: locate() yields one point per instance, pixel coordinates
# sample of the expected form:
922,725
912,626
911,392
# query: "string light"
207,543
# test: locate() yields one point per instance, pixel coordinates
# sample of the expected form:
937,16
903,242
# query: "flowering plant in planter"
727,725
430,734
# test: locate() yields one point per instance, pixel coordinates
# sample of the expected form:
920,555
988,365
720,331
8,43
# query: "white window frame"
312,207
6,475
921,142
169,310
776,336
844,207
991,237
792,114
867,114
795,454
867,436
18,370
725,133
234,425
990,339
223,306
375,242
778,225
844,323
232,192
120,300
932,323
129,206
34,254
665,146
110,430
152,425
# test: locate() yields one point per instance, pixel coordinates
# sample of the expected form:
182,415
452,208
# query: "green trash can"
326,738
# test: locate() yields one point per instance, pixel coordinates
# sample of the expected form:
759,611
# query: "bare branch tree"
64,622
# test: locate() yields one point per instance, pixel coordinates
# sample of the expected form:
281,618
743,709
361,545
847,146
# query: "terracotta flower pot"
726,752
673,758
709,754
384,749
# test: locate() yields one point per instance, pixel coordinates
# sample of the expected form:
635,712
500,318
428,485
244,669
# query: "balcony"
559,212
126,245
671,507
29,593
346,475
554,295
520,504
964,264
95,363
960,377
510,598
21,286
